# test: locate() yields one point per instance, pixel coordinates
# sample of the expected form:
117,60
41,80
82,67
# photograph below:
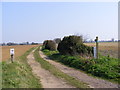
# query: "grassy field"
18,74
107,48
19,50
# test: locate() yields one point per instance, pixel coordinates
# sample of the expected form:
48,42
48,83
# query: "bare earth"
19,50
93,82
46,78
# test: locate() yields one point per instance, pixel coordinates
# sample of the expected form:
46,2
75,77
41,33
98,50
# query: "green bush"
76,63
50,45
73,45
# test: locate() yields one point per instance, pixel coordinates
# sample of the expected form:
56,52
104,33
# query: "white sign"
95,54
12,51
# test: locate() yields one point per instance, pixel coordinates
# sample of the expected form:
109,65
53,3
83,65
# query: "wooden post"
94,51
96,40
12,54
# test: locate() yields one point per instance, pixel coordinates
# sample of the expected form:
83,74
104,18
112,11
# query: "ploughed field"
19,50
107,48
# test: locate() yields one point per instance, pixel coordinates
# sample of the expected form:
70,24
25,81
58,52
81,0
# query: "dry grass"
19,50
107,48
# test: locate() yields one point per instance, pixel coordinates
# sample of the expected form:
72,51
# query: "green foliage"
57,40
19,74
49,44
104,67
48,52
73,45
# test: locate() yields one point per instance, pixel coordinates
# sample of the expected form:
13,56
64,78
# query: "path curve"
46,78
93,82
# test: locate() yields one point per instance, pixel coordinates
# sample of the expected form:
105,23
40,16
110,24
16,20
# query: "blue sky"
0,22
39,21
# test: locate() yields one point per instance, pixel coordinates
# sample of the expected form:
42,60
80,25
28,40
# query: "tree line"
23,43
69,45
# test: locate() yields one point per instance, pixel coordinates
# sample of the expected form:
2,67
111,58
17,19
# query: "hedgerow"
73,45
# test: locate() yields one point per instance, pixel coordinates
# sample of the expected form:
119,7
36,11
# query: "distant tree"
57,40
34,43
49,44
3,44
10,44
27,43
91,40
85,38
112,40
21,44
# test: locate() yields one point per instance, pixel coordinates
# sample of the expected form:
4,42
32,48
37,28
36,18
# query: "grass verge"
46,65
104,67
19,74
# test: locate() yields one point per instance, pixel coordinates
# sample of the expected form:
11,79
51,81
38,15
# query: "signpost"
12,54
96,40
94,51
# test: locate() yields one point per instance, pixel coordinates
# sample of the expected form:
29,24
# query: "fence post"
12,54
96,40
94,52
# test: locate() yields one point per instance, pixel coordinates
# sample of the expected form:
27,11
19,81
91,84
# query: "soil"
79,75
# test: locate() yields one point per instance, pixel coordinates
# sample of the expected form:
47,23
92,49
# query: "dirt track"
46,78
93,82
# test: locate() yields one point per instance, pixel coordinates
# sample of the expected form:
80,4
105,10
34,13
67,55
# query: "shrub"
49,44
73,45
57,40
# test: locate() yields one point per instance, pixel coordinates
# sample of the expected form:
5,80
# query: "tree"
27,43
73,45
3,44
34,43
49,44
57,40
